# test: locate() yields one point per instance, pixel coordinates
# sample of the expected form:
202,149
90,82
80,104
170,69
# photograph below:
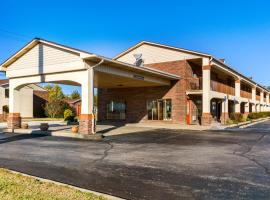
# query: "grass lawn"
15,186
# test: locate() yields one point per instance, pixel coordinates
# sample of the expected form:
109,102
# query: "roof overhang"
133,68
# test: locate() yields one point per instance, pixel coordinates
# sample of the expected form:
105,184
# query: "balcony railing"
246,94
195,83
221,87
258,98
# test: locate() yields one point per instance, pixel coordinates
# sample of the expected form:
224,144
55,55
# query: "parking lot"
151,163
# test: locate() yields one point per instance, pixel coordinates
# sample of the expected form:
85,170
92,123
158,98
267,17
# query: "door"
188,116
160,109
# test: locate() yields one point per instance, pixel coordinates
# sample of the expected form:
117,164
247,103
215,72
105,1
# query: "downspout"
96,65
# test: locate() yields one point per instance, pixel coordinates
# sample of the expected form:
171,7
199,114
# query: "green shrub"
55,108
258,115
229,122
68,115
237,117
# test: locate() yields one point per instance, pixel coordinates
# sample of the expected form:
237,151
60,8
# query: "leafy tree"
268,87
75,95
55,92
55,106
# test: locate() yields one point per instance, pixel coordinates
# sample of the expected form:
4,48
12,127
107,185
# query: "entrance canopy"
44,61
44,57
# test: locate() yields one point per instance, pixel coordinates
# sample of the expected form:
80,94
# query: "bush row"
258,115
239,117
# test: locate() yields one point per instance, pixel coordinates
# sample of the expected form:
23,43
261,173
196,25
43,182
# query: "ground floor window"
160,109
116,110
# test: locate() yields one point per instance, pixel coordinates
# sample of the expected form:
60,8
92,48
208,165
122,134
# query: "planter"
75,129
44,126
25,126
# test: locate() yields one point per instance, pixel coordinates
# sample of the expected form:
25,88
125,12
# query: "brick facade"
136,98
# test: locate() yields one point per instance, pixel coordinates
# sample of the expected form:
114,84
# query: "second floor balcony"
221,87
246,94
195,83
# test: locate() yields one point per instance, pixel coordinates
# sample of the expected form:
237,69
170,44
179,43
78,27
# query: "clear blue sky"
238,31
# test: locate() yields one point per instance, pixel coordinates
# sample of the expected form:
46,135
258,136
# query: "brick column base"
224,117
14,121
206,119
86,125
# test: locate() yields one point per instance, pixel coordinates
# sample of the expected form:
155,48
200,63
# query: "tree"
75,95
268,87
55,92
55,106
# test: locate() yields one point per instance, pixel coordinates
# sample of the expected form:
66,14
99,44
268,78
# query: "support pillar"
14,121
237,107
225,111
206,115
14,116
247,108
237,94
87,118
254,107
261,98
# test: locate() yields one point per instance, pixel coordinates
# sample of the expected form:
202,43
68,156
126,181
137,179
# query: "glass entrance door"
160,109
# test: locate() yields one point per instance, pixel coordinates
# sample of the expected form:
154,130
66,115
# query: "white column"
237,94
14,100
206,89
261,97
254,107
246,107
206,96
253,94
238,88
87,118
225,110
88,92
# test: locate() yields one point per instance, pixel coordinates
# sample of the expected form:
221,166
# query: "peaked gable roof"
37,41
162,46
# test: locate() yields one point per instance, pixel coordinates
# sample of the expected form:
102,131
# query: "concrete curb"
246,124
107,196
253,123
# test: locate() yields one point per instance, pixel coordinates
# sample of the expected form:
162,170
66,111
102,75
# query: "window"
7,93
116,110
159,109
